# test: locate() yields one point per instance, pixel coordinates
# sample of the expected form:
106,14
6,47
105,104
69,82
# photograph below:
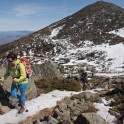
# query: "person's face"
10,61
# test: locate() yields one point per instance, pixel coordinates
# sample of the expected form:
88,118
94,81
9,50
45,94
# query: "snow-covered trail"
48,100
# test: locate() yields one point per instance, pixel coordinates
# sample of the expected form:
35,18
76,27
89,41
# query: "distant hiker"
92,72
84,80
19,79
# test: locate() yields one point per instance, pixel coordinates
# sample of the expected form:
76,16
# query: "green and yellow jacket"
16,71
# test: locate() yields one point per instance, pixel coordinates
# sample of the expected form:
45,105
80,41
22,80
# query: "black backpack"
84,75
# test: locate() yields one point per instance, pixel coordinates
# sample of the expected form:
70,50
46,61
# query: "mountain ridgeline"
9,36
92,23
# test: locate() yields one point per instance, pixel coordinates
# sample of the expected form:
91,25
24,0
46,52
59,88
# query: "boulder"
31,92
90,118
47,69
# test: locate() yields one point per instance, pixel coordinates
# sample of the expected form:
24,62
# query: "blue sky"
32,15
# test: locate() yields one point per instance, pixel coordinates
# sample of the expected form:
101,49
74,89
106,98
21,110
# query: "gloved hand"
15,80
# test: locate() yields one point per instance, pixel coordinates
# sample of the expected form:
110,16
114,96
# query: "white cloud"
34,9
29,16
27,9
15,24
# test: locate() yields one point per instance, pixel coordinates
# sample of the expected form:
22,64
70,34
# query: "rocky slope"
94,25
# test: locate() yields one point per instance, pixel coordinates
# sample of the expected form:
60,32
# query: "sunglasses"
10,61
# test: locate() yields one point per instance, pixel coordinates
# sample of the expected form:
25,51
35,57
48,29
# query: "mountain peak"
101,6
103,16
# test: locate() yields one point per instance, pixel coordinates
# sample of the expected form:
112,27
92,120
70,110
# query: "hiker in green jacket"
17,71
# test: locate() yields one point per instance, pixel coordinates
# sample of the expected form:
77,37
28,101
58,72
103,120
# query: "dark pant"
22,89
84,80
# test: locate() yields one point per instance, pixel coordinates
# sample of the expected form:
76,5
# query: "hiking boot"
21,110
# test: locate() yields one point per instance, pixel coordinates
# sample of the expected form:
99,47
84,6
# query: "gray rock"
93,118
47,69
52,120
62,106
4,109
66,115
38,122
32,91
26,122
69,102
75,113
73,118
44,122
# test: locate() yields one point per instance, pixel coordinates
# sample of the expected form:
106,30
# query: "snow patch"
104,112
119,32
55,31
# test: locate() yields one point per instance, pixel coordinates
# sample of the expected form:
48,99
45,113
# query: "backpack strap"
17,68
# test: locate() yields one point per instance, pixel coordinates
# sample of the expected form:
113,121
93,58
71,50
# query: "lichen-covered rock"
47,69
